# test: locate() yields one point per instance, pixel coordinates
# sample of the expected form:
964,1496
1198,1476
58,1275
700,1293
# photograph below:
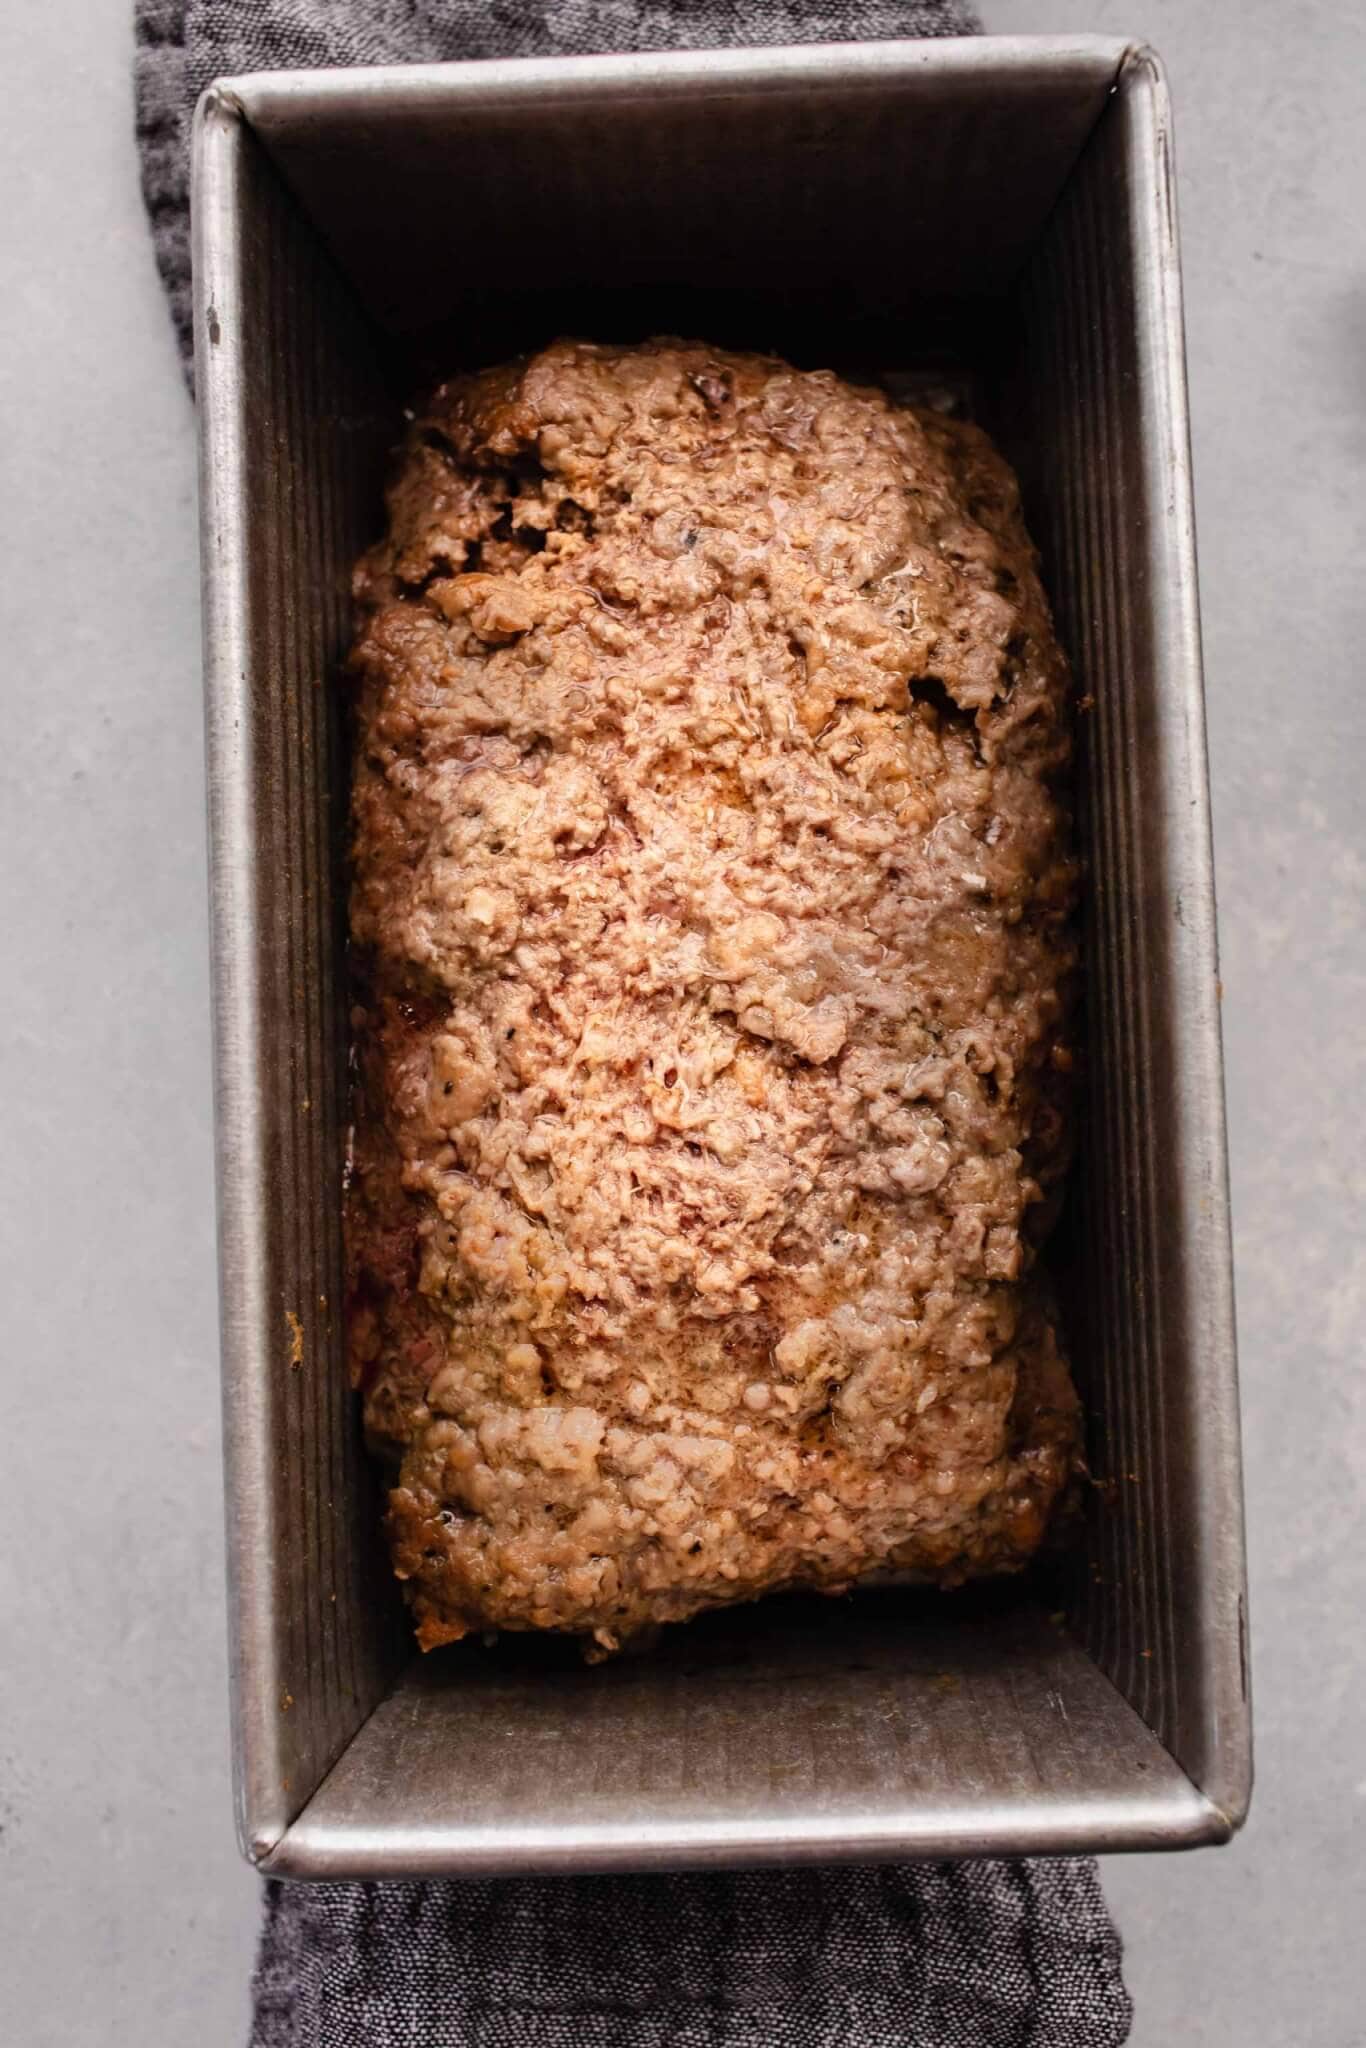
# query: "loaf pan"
995,213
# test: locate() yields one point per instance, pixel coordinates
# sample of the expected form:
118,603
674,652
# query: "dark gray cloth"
986,1954
927,1955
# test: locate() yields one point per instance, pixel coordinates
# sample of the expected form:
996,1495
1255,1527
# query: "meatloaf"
712,912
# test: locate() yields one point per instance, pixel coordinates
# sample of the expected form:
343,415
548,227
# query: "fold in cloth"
924,1955
988,1954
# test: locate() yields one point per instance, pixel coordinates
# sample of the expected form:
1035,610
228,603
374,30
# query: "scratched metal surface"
1069,332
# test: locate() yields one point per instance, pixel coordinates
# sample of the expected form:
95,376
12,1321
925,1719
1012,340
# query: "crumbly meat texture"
712,900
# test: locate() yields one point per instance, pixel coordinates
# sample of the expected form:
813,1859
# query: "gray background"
126,1914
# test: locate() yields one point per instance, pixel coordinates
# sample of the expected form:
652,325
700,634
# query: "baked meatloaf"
712,913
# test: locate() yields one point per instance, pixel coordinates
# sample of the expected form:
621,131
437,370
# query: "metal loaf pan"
1000,211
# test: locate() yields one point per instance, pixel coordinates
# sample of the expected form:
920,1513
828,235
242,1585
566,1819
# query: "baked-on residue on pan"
713,910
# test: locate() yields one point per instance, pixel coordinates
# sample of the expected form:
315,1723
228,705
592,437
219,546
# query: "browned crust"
713,895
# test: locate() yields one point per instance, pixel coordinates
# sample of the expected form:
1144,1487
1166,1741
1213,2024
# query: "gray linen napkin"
916,1955
987,1954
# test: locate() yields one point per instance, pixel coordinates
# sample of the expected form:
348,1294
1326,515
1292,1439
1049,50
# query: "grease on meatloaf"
712,894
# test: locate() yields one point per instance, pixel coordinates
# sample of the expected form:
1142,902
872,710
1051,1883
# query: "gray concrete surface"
126,1916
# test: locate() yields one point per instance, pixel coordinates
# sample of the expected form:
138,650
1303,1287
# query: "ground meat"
712,900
